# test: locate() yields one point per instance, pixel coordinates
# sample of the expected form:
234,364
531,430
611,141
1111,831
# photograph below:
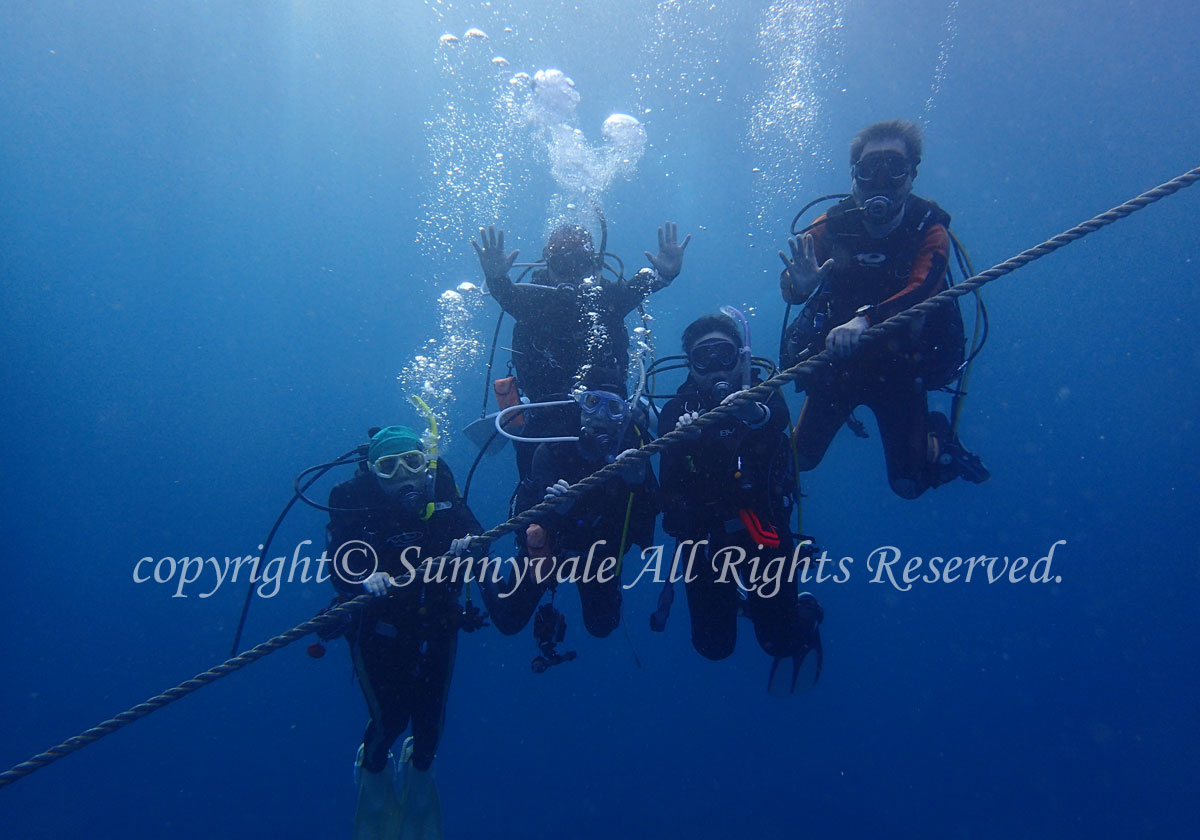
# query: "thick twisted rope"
78,742
802,373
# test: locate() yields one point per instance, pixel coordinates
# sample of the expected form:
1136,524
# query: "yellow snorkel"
431,450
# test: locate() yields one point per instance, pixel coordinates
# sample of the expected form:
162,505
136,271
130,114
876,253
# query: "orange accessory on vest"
508,395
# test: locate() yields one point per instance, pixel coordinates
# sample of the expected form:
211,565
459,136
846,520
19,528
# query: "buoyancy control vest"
868,270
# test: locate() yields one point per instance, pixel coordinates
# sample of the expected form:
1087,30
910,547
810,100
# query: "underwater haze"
234,236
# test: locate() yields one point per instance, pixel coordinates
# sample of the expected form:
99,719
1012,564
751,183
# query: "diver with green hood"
403,642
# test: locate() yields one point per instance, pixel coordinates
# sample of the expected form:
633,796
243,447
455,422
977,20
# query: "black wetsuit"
706,485
889,273
599,515
403,644
559,330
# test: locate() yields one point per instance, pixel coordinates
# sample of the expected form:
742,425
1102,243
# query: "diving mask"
881,167
605,403
715,354
412,462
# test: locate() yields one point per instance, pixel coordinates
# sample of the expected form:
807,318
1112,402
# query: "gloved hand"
686,422
556,492
378,584
748,411
633,471
461,547
668,262
801,273
843,340
492,259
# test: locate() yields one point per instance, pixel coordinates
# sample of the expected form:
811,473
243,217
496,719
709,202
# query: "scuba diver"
403,642
874,254
569,317
618,515
733,484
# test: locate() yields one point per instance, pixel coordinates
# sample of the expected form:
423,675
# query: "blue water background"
210,281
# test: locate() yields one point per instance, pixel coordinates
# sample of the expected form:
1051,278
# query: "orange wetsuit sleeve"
927,278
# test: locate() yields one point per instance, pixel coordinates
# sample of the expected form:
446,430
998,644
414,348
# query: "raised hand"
801,273
492,259
668,262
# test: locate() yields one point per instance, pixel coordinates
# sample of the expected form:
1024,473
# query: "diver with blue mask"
402,643
603,523
604,416
731,484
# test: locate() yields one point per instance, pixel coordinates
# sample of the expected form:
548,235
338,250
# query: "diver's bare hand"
557,493
668,262
801,274
378,584
537,547
842,341
492,259
687,424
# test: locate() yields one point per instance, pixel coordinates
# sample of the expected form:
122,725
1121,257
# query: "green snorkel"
431,450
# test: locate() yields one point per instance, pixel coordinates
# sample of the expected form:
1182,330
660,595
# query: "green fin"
377,814
419,802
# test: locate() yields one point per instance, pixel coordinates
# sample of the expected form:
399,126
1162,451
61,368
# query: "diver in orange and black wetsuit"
873,255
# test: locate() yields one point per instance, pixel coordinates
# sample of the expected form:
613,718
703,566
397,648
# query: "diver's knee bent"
601,625
907,488
422,758
807,461
713,647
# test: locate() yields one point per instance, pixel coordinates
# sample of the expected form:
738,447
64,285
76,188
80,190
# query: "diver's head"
713,345
570,255
883,162
604,413
397,459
